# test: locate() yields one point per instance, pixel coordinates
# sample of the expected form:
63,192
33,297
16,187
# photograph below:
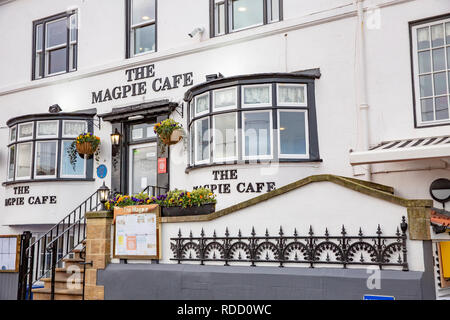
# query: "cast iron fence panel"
372,250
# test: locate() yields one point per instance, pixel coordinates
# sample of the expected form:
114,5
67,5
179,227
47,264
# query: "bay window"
252,119
141,26
55,45
234,15
431,71
39,144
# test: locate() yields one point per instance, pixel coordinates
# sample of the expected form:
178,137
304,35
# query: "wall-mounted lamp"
103,194
115,138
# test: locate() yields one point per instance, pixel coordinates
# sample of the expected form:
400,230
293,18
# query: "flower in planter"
84,144
169,131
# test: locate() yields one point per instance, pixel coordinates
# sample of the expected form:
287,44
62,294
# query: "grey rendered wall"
8,285
184,282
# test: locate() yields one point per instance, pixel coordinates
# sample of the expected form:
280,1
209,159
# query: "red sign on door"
162,165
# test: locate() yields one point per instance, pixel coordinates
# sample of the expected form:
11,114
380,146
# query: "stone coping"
105,214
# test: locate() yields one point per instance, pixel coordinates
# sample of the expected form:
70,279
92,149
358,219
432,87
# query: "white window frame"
226,159
38,52
197,114
16,178
207,160
10,133
47,136
18,131
62,175
292,104
256,105
218,3
72,136
8,178
257,157
234,106
296,155
415,52
73,42
53,48
135,26
36,177
231,19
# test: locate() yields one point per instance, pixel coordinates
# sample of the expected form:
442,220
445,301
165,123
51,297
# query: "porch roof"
152,108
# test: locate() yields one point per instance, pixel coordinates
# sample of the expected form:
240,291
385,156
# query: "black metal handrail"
156,190
46,253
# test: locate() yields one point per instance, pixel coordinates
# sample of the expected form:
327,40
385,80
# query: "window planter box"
189,211
174,137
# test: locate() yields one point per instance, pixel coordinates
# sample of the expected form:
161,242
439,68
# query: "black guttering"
143,109
88,113
258,77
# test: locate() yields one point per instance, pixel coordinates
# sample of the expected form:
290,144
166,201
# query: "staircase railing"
155,190
46,253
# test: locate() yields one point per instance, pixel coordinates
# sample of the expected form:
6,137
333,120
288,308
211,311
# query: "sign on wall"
137,232
9,253
22,197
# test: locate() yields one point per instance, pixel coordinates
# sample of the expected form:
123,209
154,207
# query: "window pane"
46,158
441,108
192,143
424,62
225,98
23,160
202,139
142,11
257,95
142,131
38,71
423,38
440,83
273,9
225,136
73,57
447,32
11,161
438,59
247,13
57,60
73,27
25,130
426,89
47,129
202,103
144,39
292,133
220,17
257,128
66,167
291,94
39,37
427,109
437,35
12,134
56,33
74,128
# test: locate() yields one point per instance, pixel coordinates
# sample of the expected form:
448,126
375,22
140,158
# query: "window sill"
241,162
8,183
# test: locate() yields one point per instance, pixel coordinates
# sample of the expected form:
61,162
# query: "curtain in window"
256,95
46,158
257,128
225,98
291,94
74,128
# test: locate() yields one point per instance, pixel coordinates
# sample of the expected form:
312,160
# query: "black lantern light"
115,138
103,193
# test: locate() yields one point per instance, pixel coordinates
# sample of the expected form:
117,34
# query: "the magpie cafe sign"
222,185
22,197
140,80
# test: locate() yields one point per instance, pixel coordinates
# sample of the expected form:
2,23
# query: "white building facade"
268,93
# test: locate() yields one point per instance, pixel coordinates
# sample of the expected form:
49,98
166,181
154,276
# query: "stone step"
60,294
76,254
73,283
62,274
73,262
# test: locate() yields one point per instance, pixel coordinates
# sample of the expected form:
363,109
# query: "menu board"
9,248
137,233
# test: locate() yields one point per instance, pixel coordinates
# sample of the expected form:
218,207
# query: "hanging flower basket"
85,144
169,131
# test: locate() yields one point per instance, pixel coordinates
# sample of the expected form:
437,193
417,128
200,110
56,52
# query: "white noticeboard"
137,236
9,253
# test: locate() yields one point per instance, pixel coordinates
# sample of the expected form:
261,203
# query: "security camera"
195,31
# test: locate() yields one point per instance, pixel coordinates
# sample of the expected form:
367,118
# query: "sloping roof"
368,188
142,109
403,150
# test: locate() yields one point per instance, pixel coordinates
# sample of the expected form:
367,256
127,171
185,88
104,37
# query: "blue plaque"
101,171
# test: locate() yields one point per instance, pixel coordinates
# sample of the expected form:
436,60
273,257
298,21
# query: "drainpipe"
361,89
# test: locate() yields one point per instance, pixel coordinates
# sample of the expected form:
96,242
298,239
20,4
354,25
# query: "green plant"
88,137
165,128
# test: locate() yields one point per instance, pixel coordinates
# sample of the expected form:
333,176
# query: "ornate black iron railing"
378,250
42,256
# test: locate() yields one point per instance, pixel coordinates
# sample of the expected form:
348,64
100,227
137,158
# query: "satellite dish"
440,190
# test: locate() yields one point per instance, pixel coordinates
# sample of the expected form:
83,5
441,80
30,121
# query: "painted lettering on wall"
22,197
141,74
241,187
